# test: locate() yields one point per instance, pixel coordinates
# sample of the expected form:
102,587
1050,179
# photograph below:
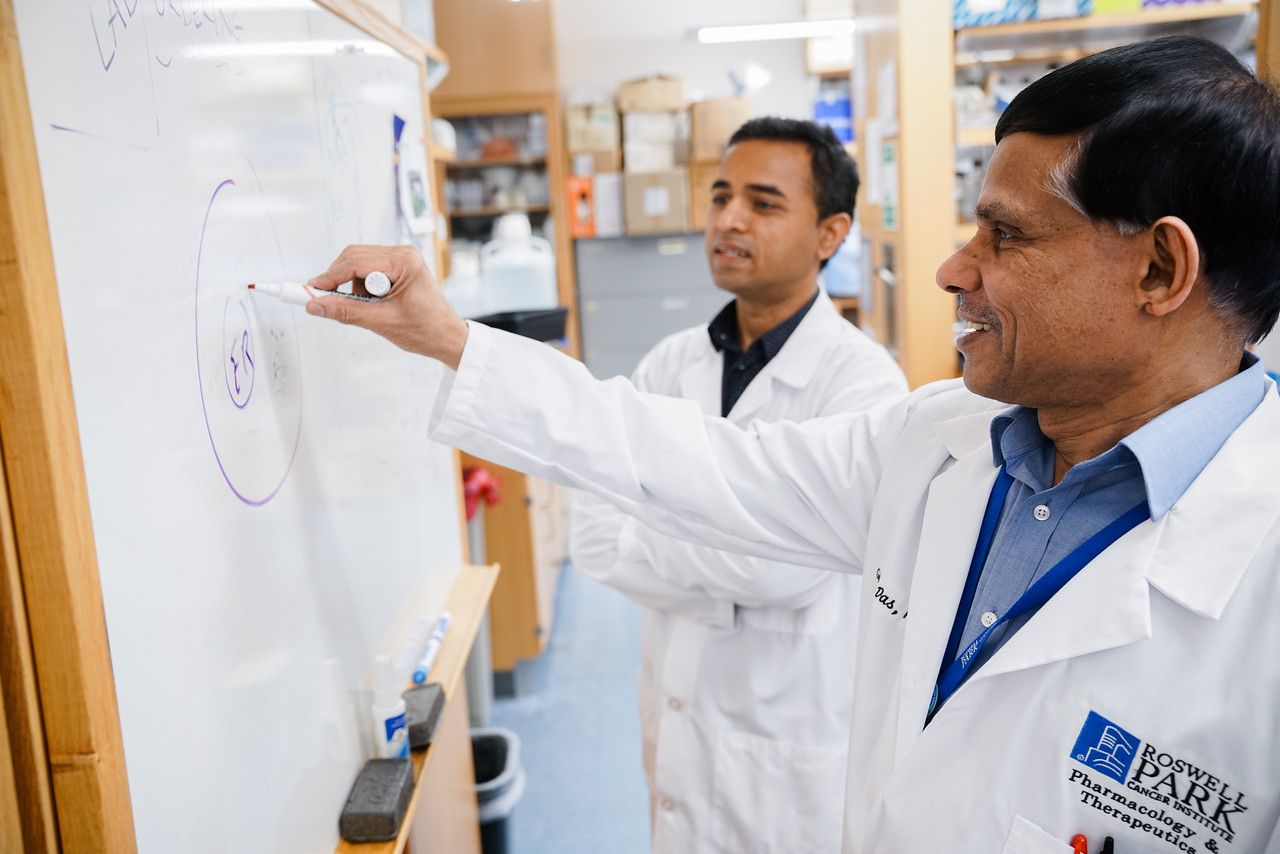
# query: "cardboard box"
607,190
649,156
652,127
701,177
582,220
591,127
656,94
712,122
595,162
657,202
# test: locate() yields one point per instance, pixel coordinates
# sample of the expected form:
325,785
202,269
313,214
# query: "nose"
959,273
732,216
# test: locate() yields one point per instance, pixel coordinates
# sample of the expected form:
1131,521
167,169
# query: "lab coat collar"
1204,551
797,362
952,517
966,433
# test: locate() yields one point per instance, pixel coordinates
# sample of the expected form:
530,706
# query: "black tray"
541,324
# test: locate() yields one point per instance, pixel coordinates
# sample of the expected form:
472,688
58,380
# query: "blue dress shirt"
1041,523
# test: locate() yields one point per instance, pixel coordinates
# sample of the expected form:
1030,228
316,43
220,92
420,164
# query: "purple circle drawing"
254,438
238,368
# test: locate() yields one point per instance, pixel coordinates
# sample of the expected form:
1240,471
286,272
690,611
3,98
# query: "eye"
765,206
1000,235
719,200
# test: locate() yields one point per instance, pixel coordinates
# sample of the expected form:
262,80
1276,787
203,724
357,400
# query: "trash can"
495,752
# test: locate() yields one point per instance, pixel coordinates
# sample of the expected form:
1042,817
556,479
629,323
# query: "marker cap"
377,284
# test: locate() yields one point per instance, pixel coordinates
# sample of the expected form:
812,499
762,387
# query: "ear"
832,231
1172,268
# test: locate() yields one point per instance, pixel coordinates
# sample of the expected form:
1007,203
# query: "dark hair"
1174,126
835,176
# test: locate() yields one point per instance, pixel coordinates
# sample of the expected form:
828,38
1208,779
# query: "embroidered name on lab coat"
889,602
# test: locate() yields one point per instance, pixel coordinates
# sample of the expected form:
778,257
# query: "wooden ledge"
467,602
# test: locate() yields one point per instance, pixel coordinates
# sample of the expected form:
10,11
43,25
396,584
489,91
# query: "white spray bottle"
390,729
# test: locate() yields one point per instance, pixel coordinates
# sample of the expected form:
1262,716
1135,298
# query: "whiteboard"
267,510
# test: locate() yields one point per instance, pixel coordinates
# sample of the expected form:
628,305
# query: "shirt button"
667,804
988,618
673,704
1041,512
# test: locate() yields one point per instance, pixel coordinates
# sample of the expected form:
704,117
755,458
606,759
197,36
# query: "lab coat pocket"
777,797
1026,837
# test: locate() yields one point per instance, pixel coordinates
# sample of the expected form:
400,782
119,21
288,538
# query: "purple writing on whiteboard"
254,431
239,369
115,18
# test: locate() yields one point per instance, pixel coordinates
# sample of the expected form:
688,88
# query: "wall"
603,42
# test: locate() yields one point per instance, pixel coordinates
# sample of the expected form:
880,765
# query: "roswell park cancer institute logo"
1153,791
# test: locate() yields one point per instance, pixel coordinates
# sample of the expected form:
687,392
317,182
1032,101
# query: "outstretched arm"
800,493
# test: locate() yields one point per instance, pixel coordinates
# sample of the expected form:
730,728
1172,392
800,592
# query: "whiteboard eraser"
378,801
422,707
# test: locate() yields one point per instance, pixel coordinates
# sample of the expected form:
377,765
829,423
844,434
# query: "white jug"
519,270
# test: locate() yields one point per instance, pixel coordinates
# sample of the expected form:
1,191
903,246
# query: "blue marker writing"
433,648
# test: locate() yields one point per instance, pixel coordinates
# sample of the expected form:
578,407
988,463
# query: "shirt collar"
1171,449
1176,446
723,329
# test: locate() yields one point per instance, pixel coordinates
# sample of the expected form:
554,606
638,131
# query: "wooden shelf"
440,154
498,211
498,161
976,136
1168,15
1000,56
468,602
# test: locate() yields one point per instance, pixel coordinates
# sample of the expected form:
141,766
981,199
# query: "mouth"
965,328
732,253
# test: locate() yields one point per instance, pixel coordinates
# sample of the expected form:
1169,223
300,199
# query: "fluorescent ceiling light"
319,47
769,32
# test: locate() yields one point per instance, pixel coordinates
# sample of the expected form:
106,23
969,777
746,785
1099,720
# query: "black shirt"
741,368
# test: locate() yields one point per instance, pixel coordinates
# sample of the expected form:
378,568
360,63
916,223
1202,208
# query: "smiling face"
1054,303
764,239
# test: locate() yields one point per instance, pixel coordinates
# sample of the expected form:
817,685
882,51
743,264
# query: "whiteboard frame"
56,685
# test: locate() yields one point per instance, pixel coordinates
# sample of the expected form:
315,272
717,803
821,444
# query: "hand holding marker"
378,285
433,648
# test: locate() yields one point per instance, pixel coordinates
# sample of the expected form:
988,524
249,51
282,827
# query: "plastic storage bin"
500,781
545,324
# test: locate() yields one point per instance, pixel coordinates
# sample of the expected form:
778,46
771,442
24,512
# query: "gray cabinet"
634,291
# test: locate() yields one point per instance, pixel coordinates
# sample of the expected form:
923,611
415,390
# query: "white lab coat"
746,683
1160,660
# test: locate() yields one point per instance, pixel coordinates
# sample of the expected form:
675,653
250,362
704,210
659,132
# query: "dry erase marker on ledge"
296,293
433,648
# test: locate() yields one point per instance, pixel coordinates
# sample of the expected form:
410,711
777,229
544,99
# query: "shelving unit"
497,210
549,163
1102,23
498,161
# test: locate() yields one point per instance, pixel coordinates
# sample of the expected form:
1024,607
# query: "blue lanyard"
1035,596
